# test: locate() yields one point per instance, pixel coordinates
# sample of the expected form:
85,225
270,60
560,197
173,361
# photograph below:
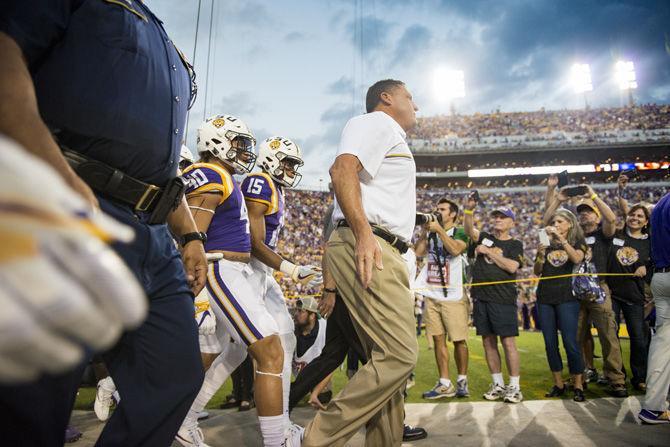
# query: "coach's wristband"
468,212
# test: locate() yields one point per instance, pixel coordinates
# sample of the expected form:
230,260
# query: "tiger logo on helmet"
280,158
230,140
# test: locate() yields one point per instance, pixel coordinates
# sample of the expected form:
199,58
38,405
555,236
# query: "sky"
300,69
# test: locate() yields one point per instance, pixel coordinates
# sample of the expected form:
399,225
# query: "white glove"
203,314
307,275
61,287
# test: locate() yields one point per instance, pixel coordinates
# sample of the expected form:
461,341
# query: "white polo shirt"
388,177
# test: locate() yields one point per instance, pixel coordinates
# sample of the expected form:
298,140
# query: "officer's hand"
203,314
368,253
62,289
75,182
326,304
195,264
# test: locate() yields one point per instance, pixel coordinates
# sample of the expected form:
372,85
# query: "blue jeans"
563,317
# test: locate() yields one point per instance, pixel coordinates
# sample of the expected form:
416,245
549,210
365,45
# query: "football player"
279,159
225,145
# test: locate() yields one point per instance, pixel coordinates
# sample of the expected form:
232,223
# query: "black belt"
143,197
661,269
391,238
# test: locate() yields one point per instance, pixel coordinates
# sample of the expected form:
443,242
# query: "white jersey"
313,352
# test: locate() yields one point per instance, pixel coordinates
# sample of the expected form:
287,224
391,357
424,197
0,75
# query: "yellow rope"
491,283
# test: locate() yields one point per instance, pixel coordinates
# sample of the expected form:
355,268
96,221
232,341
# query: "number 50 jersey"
229,228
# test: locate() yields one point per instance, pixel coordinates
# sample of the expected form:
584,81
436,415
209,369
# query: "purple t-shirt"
229,228
259,187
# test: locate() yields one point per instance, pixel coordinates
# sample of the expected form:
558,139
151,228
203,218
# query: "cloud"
413,40
240,104
343,86
369,34
295,36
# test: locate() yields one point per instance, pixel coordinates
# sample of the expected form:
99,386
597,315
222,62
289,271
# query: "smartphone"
575,191
474,194
544,237
562,179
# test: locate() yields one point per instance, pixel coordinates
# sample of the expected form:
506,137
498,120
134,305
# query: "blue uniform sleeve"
36,25
259,187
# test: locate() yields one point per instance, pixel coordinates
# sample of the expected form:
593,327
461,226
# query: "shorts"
495,319
265,286
240,312
448,317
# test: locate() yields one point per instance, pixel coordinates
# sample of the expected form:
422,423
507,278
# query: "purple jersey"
259,187
229,228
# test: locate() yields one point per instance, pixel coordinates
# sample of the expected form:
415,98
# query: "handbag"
585,285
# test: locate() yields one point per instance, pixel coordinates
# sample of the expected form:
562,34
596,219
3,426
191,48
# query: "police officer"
104,80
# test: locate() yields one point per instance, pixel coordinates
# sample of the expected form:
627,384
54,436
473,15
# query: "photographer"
447,307
558,308
498,257
597,221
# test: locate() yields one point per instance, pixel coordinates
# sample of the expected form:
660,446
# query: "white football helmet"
229,139
275,155
186,157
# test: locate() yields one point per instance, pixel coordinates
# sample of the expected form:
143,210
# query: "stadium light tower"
448,85
626,78
581,80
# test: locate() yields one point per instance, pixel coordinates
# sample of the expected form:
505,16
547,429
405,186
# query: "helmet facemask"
280,174
240,155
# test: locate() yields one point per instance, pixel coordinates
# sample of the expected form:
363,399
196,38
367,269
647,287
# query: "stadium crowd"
501,124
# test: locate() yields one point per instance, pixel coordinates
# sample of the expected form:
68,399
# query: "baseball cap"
507,212
308,303
589,204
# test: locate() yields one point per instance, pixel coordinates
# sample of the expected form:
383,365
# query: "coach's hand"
368,254
195,264
326,304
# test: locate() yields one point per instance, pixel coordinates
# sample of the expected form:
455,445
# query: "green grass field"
535,375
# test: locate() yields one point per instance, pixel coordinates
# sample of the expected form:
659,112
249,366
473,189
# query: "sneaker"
72,434
203,415
578,395
495,392
654,417
293,436
618,391
410,433
462,388
591,375
440,391
103,398
556,391
603,381
513,395
640,386
191,437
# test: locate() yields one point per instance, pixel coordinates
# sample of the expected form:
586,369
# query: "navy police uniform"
111,85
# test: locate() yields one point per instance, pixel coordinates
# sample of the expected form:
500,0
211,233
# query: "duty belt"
143,197
391,238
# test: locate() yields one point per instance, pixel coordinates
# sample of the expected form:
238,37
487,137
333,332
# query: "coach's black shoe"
555,391
618,391
410,433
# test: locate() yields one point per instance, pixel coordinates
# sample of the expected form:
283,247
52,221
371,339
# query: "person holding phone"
597,221
558,308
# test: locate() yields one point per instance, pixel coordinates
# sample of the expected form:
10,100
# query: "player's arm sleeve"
368,141
204,180
257,188
36,25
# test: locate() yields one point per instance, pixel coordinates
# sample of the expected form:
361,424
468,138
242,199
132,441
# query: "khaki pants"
383,318
602,317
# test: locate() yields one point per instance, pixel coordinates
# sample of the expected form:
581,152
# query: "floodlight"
625,75
581,78
448,84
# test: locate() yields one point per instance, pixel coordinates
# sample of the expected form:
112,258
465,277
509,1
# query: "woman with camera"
558,308
630,253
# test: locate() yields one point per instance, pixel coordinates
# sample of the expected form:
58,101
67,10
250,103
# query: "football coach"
374,177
